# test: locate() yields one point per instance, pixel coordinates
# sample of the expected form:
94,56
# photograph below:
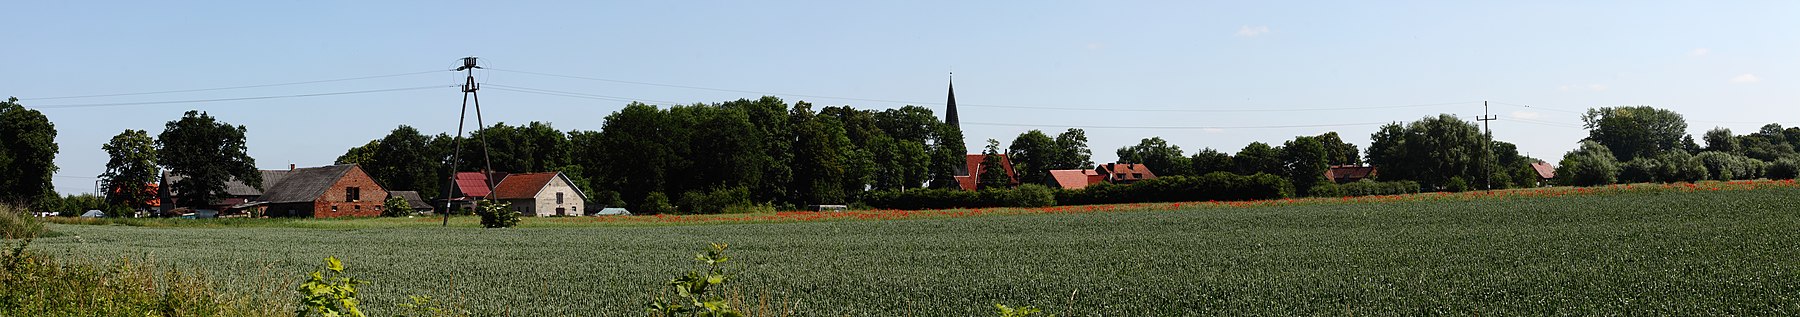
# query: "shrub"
1678,166
1212,186
1456,185
655,203
395,207
1726,166
714,201
1784,168
1365,187
496,214
1640,170
923,198
17,223
1591,164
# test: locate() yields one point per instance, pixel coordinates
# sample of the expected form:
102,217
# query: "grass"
1652,250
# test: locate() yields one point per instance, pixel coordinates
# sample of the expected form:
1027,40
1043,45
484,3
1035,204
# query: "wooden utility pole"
469,87
1487,144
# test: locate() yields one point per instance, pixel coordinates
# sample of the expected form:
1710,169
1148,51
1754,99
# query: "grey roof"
411,197
303,185
236,187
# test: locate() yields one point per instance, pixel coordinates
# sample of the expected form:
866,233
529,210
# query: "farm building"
1545,172
1349,173
969,175
412,199
1124,173
541,194
1074,179
471,187
238,196
324,192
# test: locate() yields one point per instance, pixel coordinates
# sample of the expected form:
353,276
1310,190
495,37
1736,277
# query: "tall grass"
38,284
16,223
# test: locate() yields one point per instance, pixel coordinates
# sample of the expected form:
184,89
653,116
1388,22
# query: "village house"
1545,172
324,192
1074,179
1124,173
471,187
541,194
1349,173
968,176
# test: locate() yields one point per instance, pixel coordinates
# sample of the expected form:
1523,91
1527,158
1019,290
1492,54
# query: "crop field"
1715,249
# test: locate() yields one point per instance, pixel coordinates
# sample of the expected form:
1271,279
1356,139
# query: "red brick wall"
368,206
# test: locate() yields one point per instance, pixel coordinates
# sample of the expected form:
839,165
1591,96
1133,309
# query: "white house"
541,194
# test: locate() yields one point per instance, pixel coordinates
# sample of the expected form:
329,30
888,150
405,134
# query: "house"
968,176
1545,172
1074,179
323,192
239,196
1124,173
1349,173
541,194
412,200
470,187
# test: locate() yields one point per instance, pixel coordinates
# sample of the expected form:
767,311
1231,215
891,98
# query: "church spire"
950,106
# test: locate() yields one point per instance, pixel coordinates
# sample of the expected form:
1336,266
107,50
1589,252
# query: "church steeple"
950,106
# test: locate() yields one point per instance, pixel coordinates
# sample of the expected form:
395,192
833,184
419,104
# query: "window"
1137,175
559,198
358,207
333,207
352,194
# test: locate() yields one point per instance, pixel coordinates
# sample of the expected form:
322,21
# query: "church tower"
950,106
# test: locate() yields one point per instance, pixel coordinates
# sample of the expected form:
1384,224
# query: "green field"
1734,252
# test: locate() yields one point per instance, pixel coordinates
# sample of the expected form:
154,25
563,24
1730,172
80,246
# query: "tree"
1304,160
1338,152
1591,164
1158,155
948,158
1209,160
1632,132
1258,157
405,160
1072,151
1431,151
130,169
207,153
360,155
1032,155
638,155
993,171
819,156
1721,140
27,154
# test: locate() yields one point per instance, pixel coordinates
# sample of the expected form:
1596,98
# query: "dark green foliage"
993,171
1338,152
947,157
1632,132
208,153
1304,161
1431,151
1208,160
1027,195
1032,154
1258,157
1161,157
606,199
1457,184
130,169
497,214
18,223
1216,186
1365,187
1072,151
654,203
1591,164
1784,168
406,160
360,155
396,207
1767,144
714,201
1721,140
1726,166
27,154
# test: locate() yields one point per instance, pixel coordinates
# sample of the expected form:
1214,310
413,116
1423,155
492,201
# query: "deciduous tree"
208,153
130,169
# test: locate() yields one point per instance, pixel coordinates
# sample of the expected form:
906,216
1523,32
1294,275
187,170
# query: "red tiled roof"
973,180
1075,179
1125,172
522,186
1544,170
1349,173
471,184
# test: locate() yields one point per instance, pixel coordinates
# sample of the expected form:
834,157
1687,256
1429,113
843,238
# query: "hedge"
1215,186
1365,187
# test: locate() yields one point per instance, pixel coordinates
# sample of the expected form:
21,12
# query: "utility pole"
1487,144
469,87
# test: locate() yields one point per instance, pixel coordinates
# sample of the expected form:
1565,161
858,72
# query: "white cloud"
1700,52
1526,114
1746,79
1252,31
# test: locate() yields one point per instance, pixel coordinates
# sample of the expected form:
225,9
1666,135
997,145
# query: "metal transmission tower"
469,87
1487,144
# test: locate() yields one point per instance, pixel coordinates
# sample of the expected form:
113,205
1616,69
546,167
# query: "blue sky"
1172,65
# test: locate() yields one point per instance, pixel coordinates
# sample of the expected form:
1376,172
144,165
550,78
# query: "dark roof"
522,186
305,184
973,180
412,198
1349,173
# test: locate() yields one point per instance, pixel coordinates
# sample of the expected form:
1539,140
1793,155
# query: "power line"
235,87
235,99
1177,127
1539,108
574,94
1087,108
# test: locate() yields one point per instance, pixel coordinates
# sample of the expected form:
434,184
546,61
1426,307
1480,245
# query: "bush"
1678,166
396,207
1365,187
1784,168
1222,186
17,223
1456,185
655,203
1726,166
1591,164
496,214
714,201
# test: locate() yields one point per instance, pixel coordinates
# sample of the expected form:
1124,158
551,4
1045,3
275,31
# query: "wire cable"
237,99
235,87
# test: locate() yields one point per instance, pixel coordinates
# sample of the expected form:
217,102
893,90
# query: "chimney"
290,167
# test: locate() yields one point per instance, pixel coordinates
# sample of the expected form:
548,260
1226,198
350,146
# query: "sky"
1200,74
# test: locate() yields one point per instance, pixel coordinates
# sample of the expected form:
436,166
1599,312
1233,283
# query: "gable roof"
1544,170
1125,171
305,184
412,198
237,187
1349,173
1075,179
522,186
973,163
471,184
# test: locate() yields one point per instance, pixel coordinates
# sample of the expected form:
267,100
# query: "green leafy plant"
1023,311
329,293
395,207
697,293
494,214
16,223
